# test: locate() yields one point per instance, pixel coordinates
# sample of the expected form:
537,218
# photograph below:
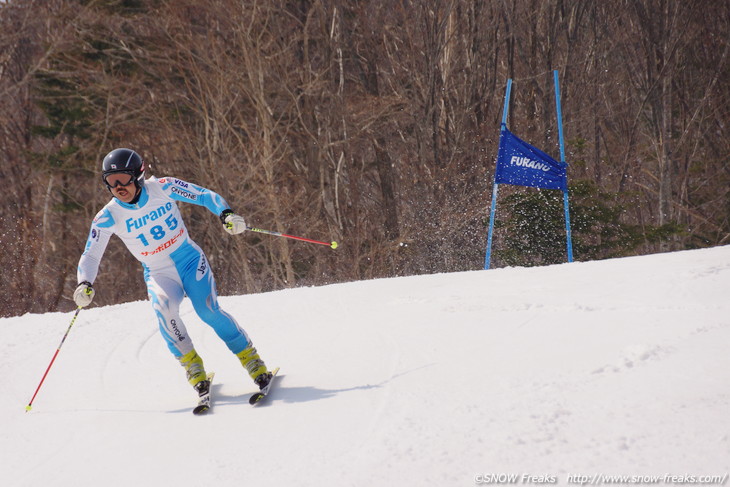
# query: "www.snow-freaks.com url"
601,479
668,479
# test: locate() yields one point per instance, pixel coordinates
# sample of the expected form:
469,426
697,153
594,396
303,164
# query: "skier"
144,214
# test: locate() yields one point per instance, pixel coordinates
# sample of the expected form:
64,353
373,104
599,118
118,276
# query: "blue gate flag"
521,164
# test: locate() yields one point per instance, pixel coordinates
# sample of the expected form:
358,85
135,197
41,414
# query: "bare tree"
370,122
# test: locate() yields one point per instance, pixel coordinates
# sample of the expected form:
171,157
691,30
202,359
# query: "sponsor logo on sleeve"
185,194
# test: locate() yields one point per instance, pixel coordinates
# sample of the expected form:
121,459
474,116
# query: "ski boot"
195,372
255,367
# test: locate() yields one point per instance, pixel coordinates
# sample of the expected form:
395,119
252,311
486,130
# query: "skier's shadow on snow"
281,393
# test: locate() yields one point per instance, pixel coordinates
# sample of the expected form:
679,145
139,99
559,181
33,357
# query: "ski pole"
73,320
279,234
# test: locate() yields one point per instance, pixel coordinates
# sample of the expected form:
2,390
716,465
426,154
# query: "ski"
204,401
256,398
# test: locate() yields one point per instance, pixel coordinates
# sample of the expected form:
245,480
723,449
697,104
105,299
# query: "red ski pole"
279,234
73,320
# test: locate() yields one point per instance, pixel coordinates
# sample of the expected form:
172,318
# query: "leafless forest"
374,123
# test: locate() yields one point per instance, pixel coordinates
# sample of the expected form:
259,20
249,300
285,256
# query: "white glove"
234,224
84,294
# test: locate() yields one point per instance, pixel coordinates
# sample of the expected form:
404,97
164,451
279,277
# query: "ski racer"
145,216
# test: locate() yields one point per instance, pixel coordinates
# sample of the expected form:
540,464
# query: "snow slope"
610,367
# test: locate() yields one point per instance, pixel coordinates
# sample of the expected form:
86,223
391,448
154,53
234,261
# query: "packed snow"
564,374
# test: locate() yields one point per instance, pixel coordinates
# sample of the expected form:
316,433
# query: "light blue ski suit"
174,266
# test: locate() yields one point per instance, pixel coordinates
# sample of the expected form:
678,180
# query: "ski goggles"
118,179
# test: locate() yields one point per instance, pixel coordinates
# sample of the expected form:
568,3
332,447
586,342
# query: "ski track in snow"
611,367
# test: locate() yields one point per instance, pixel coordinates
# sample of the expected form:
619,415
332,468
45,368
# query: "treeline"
371,122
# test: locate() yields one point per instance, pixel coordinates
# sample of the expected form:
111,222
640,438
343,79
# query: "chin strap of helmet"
136,196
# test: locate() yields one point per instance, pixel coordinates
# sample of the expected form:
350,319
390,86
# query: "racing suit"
174,266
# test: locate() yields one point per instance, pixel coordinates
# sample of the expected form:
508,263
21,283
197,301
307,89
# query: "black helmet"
123,161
